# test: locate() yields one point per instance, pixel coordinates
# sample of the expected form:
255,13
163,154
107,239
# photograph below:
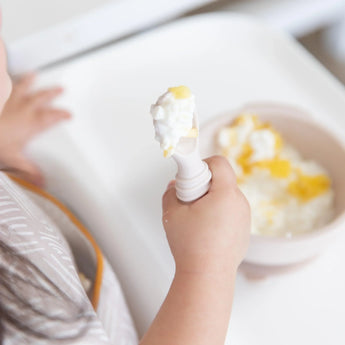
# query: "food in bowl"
289,195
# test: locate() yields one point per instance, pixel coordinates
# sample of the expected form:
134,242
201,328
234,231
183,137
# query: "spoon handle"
193,177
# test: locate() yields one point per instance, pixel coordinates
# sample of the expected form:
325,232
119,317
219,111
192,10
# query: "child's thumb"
169,198
24,169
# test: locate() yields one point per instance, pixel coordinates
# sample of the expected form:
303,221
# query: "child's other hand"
25,115
210,235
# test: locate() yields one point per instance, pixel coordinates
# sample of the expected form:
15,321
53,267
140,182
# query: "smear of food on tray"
288,194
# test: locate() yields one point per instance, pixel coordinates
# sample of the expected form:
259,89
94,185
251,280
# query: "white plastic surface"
107,157
41,32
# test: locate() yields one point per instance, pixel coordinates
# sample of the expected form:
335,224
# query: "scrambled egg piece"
173,115
288,195
306,187
180,92
251,144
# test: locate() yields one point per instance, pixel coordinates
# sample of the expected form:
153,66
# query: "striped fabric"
41,229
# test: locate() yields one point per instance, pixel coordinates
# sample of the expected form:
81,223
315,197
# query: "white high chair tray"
107,157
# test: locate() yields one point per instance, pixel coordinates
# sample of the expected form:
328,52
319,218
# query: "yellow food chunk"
244,159
232,136
278,140
239,179
225,152
307,187
269,214
180,92
280,168
262,125
167,152
245,118
193,133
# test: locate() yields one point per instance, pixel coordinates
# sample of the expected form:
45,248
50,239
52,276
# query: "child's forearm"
195,312
208,239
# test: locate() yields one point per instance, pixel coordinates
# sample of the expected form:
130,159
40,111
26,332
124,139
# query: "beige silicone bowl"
313,141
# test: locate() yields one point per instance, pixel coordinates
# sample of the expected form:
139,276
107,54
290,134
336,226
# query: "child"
42,299
25,115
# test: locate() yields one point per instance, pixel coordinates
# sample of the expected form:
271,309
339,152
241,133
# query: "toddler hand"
210,235
25,115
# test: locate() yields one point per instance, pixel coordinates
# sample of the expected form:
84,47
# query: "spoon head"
189,144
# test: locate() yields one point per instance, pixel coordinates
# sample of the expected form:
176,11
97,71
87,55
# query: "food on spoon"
288,194
173,118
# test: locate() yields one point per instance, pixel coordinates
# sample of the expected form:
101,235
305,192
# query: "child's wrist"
208,268
207,278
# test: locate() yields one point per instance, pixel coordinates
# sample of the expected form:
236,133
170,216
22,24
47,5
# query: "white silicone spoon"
193,175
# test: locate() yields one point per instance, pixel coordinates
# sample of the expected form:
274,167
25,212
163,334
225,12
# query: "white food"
263,144
173,119
288,195
278,213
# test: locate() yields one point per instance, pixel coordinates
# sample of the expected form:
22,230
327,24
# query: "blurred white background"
40,32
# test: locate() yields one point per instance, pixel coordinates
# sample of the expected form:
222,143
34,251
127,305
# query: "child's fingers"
222,173
23,85
171,184
49,116
52,115
44,97
170,200
26,170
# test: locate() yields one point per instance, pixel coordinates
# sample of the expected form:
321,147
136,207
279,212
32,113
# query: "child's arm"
208,240
25,115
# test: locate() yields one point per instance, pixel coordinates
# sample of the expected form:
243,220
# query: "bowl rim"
301,115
